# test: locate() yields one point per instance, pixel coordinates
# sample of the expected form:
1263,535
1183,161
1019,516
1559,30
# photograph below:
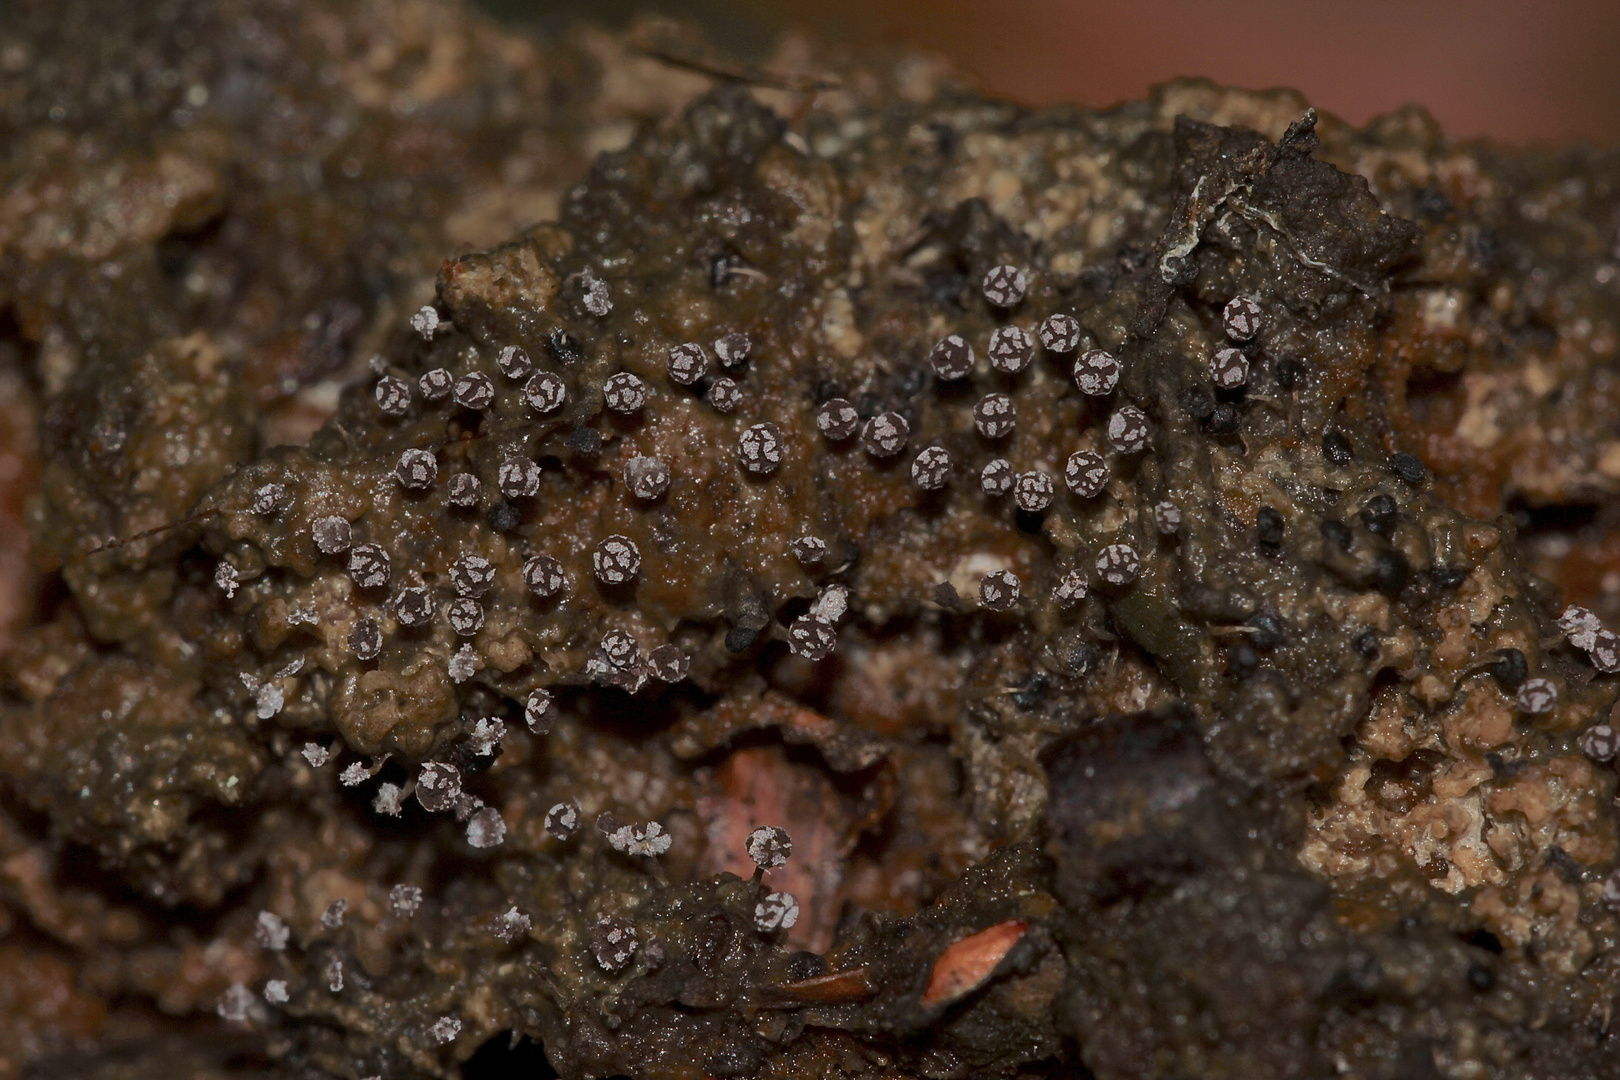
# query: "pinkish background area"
1520,71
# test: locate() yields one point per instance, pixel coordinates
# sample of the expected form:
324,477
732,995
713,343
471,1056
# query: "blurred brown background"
1521,71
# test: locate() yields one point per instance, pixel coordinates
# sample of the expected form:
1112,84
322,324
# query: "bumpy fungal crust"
1251,665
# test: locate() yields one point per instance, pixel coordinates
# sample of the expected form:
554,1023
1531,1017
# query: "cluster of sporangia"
760,450
616,559
613,941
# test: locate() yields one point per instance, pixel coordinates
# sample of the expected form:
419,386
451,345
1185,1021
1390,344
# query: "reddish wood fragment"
965,965
830,989
759,785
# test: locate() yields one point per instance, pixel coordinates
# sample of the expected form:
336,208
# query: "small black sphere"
1336,448
504,517
1408,468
